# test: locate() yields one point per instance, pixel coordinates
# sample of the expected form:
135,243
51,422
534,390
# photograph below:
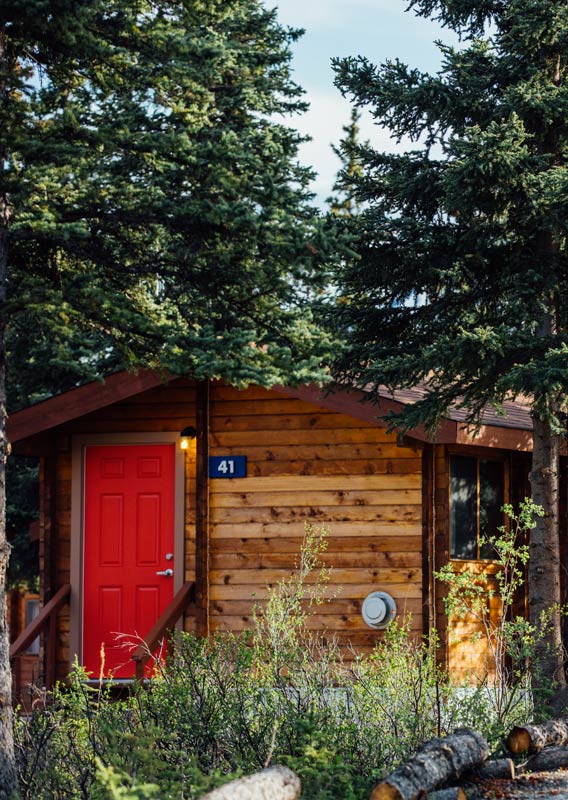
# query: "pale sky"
378,29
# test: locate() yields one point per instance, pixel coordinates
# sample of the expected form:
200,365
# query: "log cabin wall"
305,463
308,464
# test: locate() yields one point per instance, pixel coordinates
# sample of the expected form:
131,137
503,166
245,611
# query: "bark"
547,760
495,770
436,762
453,793
8,781
533,738
273,783
544,561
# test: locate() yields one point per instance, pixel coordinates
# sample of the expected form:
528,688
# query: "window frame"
504,460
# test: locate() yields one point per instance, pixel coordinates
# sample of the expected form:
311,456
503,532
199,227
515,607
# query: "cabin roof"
511,430
515,414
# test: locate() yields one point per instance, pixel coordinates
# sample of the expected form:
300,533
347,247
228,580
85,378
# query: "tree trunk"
8,786
8,780
435,763
274,783
544,561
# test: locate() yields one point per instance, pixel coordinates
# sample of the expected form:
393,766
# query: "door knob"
167,573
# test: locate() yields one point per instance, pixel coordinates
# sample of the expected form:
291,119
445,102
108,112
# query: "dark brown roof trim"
511,433
76,402
355,403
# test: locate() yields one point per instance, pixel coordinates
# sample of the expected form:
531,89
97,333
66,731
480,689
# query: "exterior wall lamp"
186,434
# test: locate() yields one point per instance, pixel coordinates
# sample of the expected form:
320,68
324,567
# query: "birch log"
533,738
435,763
273,783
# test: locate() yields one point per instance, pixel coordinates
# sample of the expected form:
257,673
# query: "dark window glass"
491,499
463,507
471,517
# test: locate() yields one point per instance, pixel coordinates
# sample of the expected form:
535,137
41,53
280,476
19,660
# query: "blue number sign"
227,466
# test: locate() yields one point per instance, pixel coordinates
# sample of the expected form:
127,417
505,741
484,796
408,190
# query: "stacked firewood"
546,745
461,758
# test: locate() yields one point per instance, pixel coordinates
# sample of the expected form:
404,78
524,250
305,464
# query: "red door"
129,539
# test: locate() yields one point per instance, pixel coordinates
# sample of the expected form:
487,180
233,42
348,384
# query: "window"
477,494
32,611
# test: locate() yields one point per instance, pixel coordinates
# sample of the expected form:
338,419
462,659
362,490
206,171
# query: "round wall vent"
378,609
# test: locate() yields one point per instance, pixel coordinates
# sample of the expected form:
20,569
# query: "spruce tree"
463,266
343,202
151,200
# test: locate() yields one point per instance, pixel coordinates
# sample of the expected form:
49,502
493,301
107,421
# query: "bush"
230,705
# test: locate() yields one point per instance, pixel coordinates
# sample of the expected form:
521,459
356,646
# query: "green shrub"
230,705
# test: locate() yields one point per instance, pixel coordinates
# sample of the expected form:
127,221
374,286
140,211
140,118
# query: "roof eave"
77,402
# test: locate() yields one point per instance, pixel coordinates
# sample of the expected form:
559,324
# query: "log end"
519,740
384,791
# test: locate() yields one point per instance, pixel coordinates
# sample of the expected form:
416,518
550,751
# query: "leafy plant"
488,596
229,705
280,626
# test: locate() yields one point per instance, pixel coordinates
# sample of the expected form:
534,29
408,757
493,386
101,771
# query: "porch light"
185,435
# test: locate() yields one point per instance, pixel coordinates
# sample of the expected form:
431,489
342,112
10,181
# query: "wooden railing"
45,619
166,622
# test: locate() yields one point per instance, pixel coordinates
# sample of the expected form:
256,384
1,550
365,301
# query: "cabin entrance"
128,552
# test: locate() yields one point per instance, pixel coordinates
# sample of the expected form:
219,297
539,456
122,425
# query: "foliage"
347,205
488,596
462,239
280,626
229,705
22,509
154,201
461,242
152,207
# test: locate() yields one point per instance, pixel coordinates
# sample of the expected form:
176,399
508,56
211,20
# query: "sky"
378,29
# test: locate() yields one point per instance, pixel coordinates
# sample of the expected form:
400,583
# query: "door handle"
167,573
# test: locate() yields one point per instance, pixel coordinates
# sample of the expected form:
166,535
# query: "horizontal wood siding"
305,464
309,465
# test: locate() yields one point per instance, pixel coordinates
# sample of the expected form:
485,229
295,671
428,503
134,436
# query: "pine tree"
344,204
150,202
462,263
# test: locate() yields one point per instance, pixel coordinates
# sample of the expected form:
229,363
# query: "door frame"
79,445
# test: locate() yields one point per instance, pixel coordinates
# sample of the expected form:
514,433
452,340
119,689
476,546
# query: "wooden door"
129,539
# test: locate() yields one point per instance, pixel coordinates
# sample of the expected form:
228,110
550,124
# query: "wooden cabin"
171,501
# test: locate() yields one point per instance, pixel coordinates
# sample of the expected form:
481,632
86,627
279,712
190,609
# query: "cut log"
436,762
533,738
547,760
452,793
502,768
273,783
